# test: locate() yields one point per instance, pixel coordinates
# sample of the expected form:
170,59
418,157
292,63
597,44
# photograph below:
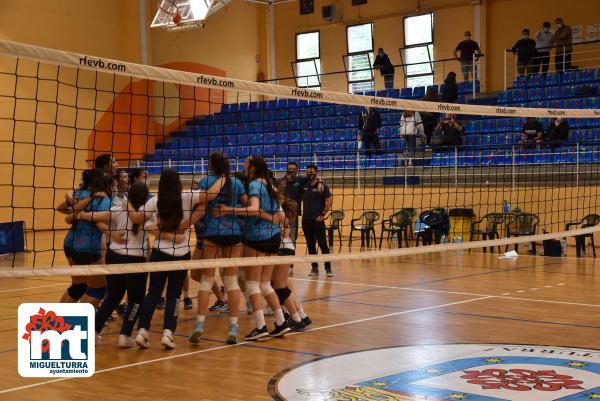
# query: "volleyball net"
430,177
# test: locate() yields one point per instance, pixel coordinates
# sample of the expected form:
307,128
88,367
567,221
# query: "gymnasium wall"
501,24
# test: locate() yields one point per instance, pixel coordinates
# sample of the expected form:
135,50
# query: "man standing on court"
293,186
317,202
467,48
385,67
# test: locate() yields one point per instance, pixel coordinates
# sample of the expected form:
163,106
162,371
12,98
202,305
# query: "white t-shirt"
412,125
135,244
189,199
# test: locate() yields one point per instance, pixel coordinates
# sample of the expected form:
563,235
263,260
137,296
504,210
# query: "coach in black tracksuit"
369,123
317,200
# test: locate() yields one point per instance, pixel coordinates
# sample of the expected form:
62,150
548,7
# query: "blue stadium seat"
519,95
418,92
382,93
472,126
305,148
327,122
563,155
536,93
575,104
340,147
520,82
330,135
592,103
406,93
271,104
328,147
570,77
585,154
268,138
268,150
552,79
505,97
489,125
282,149
253,106
587,75
535,81
317,136
282,125
263,105
393,93
293,149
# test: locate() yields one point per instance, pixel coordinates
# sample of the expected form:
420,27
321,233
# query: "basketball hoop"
175,15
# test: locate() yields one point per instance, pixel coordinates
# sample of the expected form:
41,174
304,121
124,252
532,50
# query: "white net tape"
76,60
90,270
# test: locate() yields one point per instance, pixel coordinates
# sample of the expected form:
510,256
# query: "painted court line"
453,292
170,357
32,288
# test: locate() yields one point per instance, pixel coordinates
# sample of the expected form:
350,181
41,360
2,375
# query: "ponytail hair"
170,210
137,196
219,166
262,171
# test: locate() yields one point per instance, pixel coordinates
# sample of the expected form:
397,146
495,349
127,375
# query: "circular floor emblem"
474,372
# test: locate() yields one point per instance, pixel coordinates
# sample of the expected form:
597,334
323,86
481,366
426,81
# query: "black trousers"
117,285
174,281
314,232
542,63
560,58
371,141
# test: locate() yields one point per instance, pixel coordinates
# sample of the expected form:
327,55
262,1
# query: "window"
417,53
308,63
359,60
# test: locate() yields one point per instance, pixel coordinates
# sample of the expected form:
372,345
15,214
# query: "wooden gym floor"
429,299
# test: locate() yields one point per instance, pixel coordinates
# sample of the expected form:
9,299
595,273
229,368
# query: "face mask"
311,176
380,54
467,38
559,26
525,36
546,30
291,173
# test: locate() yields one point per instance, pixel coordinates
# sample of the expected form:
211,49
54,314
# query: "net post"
513,168
405,173
170,163
564,54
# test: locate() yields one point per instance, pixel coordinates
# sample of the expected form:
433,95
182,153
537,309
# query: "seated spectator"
558,132
532,134
450,129
411,128
525,51
450,94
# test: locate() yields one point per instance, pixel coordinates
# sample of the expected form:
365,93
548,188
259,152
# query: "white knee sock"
259,318
279,317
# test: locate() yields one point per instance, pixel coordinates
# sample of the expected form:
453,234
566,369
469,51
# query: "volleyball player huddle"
240,220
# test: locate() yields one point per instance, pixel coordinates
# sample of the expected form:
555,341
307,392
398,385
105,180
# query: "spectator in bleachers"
467,48
450,94
429,118
543,42
369,123
385,67
411,128
558,132
450,129
532,134
525,51
563,40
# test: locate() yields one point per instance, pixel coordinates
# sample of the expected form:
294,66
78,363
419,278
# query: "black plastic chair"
520,225
335,219
366,227
397,224
590,220
488,228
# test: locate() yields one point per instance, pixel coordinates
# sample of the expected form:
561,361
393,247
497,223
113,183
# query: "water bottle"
563,246
395,240
505,206
459,240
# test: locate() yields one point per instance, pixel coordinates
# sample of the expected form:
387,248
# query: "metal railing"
562,58
338,81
